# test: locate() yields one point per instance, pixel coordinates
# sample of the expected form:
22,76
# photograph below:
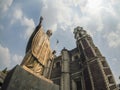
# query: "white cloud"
56,12
70,13
28,23
7,59
113,38
53,27
18,14
5,4
17,59
4,57
95,16
115,1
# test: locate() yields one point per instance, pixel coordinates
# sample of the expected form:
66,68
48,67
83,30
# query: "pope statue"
38,56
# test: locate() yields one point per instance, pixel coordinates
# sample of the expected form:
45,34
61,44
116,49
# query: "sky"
100,18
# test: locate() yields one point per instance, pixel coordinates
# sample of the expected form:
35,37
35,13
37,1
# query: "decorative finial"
64,49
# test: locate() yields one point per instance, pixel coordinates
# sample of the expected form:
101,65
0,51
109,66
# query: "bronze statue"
38,51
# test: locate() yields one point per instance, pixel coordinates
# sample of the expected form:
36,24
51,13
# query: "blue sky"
100,18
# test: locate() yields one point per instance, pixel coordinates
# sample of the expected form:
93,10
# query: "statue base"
20,79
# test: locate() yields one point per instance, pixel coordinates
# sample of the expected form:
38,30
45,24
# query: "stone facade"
83,68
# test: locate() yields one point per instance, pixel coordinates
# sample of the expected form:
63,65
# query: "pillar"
65,72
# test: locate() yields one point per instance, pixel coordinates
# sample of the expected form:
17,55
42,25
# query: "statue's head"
49,33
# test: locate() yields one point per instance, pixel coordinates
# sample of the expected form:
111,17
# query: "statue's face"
49,33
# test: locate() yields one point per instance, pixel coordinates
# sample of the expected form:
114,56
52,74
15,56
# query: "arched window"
76,57
57,64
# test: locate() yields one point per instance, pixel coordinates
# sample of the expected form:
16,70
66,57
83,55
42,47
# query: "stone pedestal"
20,79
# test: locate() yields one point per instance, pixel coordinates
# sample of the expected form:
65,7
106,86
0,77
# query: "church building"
82,68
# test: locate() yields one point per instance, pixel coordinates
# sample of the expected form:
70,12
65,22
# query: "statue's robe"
41,47
38,52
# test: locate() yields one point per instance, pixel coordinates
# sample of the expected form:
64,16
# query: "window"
57,64
110,79
75,57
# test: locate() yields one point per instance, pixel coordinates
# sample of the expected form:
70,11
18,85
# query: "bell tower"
96,72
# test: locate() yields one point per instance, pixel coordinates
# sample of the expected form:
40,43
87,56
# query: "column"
65,72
